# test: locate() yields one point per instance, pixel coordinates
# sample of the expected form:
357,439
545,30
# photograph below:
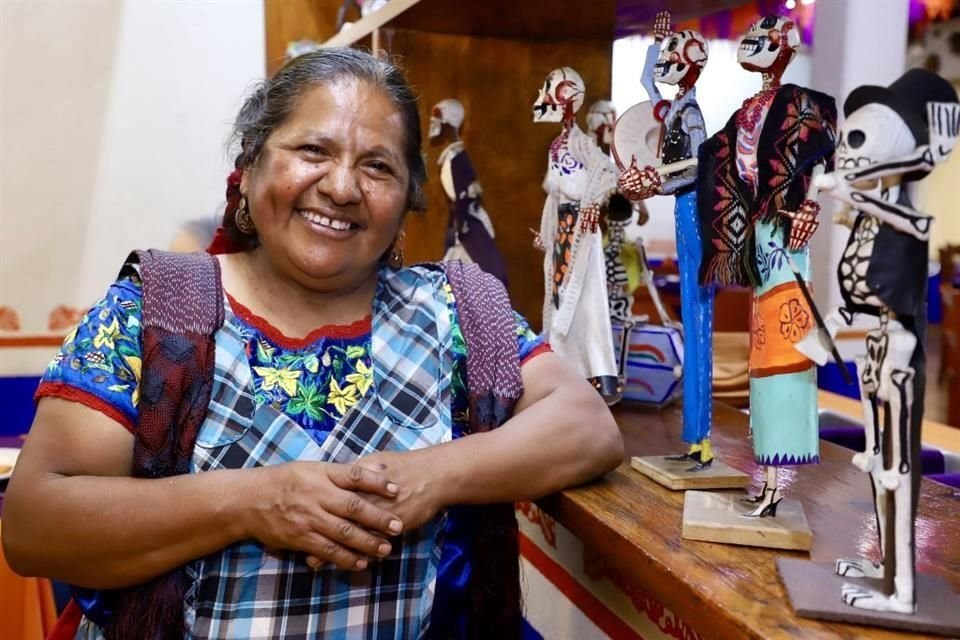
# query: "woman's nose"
340,184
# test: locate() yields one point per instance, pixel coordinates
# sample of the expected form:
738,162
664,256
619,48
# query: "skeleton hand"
537,240
639,184
589,218
864,461
803,223
661,25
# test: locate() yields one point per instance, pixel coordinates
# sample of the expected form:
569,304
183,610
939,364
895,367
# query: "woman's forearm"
566,438
111,532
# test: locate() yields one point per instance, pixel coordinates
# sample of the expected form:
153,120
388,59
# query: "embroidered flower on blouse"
363,377
106,335
283,378
342,398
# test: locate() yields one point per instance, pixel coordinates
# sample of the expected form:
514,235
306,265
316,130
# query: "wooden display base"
714,517
814,590
673,474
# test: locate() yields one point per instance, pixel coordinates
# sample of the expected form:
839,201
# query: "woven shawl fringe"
182,310
493,377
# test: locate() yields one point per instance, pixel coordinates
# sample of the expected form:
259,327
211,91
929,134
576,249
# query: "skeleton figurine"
891,136
580,180
626,261
757,218
469,231
678,59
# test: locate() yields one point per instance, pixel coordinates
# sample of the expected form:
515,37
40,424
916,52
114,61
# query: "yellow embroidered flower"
283,378
136,365
363,377
343,398
106,335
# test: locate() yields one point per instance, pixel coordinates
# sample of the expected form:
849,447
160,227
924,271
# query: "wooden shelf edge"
366,26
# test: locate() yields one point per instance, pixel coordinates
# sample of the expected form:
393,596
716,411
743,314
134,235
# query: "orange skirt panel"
780,318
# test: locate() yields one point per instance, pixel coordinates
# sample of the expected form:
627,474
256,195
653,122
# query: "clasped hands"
344,514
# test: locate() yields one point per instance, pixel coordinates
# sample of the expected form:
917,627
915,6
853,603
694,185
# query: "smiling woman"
292,435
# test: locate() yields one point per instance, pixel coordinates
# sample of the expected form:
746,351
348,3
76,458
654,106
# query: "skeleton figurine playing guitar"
891,136
678,59
580,180
626,261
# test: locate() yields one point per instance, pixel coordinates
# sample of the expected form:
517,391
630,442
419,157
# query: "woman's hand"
339,513
417,473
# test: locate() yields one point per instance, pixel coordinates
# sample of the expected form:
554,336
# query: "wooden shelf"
366,26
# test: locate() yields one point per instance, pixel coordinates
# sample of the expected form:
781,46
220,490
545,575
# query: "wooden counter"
729,591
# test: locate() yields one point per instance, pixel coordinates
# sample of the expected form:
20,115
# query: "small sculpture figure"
678,59
580,180
470,235
892,136
757,219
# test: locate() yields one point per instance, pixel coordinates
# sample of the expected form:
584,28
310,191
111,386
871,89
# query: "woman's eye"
380,167
313,150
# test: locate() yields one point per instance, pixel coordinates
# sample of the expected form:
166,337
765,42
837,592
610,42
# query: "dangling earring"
395,259
242,218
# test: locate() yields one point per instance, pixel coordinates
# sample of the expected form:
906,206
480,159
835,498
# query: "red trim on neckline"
339,331
539,349
67,391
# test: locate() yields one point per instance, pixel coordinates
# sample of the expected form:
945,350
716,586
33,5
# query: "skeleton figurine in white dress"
580,180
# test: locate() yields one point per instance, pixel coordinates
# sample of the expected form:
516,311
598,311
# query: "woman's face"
329,189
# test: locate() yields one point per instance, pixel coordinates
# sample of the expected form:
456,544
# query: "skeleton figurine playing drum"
470,235
678,59
757,216
892,136
580,180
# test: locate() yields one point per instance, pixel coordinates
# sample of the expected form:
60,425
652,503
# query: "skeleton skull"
600,119
681,54
767,42
448,112
560,96
873,133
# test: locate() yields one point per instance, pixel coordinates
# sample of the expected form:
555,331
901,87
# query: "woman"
294,536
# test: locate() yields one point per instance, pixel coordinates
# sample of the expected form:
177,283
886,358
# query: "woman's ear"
243,181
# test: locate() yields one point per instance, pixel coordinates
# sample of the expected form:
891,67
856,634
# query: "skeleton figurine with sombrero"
892,136
678,59
580,180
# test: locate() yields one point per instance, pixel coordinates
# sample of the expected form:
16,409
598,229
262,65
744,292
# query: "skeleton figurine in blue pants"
678,59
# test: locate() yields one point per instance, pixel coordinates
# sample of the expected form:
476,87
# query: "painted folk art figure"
470,235
626,261
892,136
580,180
757,219
678,59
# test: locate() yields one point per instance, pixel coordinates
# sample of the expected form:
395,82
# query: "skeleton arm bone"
646,76
904,219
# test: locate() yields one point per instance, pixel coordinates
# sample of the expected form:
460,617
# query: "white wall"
113,119
722,88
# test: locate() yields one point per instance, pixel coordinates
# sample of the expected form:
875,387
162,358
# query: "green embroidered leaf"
355,351
311,363
264,352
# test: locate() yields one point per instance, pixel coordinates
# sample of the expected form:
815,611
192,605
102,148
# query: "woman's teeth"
324,221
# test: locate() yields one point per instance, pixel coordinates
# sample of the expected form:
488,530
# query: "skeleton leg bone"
870,460
898,480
